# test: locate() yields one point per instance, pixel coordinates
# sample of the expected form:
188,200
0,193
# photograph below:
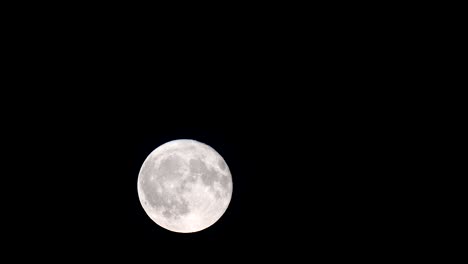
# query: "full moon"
184,186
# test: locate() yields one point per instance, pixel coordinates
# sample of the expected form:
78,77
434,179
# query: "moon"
184,186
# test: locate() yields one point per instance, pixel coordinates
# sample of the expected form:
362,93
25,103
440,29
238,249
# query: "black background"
303,167
302,120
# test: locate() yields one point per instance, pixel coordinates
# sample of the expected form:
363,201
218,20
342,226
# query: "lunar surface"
184,186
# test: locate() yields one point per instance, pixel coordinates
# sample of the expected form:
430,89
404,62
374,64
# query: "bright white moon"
184,186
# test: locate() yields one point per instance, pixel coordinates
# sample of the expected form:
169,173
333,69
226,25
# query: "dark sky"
303,144
300,167
315,110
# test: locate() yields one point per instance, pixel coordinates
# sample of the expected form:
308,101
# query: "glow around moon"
184,186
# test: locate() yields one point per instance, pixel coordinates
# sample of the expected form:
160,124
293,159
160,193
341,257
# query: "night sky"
300,175
307,153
